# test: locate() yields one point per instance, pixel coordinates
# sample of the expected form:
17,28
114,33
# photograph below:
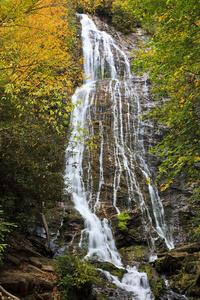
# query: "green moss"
136,253
124,216
122,221
122,226
112,269
147,269
113,286
123,251
183,270
123,20
134,233
156,283
102,297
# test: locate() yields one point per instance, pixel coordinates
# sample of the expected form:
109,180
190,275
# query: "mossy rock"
155,281
122,221
134,234
170,263
72,218
112,269
182,266
102,297
134,254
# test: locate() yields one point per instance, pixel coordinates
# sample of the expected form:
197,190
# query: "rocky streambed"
27,274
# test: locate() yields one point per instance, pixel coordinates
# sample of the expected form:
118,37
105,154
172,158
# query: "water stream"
111,94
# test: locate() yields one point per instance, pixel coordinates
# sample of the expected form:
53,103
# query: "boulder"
27,271
119,272
155,281
17,282
35,261
181,266
13,259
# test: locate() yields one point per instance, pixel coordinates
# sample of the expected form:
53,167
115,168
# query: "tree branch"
188,71
8,294
17,67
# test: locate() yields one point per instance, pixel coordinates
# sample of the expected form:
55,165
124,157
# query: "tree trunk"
47,244
8,294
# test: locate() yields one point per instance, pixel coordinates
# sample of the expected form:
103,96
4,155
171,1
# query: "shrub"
4,228
74,278
123,20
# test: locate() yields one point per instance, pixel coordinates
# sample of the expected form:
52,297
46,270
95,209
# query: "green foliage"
122,220
124,216
122,19
171,57
4,228
39,69
156,283
74,277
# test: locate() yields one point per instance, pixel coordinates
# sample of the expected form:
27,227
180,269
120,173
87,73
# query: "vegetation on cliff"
39,68
122,220
74,277
181,267
112,10
171,58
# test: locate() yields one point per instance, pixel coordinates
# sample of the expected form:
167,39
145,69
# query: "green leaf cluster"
113,10
4,227
171,57
39,69
74,277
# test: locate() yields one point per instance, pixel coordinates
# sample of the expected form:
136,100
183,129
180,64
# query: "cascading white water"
102,58
158,211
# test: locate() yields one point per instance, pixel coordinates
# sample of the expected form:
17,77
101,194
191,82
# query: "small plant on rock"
4,228
122,220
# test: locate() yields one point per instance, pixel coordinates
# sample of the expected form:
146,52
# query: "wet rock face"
130,231
113,172
178,210
182,268
129,107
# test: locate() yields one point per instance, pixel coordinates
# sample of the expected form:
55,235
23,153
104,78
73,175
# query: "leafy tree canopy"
123,20
39,69
171,57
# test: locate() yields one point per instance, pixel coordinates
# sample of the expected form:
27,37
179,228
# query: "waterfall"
107,68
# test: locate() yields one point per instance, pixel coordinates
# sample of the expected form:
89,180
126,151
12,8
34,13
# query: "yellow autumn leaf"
164,187
148,180
197,158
